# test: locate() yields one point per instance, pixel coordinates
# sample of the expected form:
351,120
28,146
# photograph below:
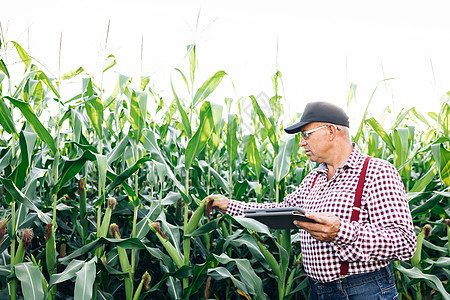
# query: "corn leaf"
184,118
201,136
253,156
431,280
419,116
192,60
207,228
222,182
442,158
240,187
151,145
221,273
268,125
23,54
3,68
85,280
361,125
444,118
111,64
282,162
425,207
422,183
199,274
121,85
71,168
145,80
351,93
31,117
214,141
252,246
118,150
33,175
101,168
17,195
131,243
247,274
252,224
31,280
138,112
208,87
94,109
41,76
69,272
184,79
141,227
71,74
127,173
380,131
165,259
401,142
5,270
6,119
27,141
232,141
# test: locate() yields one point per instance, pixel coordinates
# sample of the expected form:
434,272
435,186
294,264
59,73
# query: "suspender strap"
356,207
314,181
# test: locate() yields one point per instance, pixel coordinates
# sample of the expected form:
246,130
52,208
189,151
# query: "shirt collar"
352,161
354,158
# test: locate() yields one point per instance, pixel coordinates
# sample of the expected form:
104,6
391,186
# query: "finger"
312,228
304,225
321,218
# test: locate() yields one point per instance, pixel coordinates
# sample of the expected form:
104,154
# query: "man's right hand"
220,202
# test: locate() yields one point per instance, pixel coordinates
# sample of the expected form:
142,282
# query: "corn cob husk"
173,253
424,233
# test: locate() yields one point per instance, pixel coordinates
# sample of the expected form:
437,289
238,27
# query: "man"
347,253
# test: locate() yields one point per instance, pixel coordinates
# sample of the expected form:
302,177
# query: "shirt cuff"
346,235
234,208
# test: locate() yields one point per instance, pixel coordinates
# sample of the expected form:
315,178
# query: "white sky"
323,46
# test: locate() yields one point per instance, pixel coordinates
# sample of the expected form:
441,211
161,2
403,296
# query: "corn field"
101,191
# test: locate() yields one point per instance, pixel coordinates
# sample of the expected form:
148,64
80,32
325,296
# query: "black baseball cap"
320,112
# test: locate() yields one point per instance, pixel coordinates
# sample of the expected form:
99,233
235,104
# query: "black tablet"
278,218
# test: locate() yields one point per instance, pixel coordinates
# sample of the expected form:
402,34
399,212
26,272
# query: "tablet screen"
279,217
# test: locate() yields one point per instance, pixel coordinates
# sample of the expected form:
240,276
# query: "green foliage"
158,160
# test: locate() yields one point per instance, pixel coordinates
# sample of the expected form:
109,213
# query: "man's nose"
302,142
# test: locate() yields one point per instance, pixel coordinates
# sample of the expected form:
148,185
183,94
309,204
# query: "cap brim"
297,127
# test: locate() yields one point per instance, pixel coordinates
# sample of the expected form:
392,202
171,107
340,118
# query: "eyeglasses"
305,134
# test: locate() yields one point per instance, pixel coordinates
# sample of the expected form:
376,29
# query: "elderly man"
359,204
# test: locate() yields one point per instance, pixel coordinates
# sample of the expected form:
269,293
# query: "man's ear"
332,132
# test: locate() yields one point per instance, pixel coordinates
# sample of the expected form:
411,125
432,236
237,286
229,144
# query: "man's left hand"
324,230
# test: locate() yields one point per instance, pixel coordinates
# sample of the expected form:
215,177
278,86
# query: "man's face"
316,144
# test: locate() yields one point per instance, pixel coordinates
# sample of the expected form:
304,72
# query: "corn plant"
112,183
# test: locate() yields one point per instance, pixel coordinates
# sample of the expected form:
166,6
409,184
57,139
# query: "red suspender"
356,207
314,182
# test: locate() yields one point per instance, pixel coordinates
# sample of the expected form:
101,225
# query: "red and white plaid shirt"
384,232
